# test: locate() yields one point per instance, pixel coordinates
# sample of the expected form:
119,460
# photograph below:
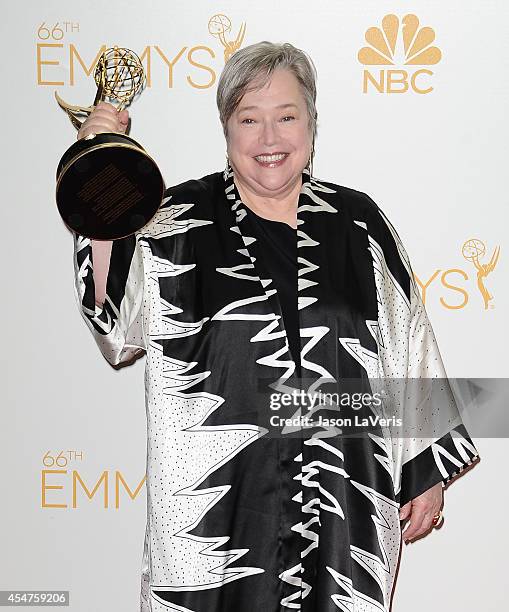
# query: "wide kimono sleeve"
117,326
436,444
430,443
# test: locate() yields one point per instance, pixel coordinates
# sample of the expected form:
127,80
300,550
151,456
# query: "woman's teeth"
267,159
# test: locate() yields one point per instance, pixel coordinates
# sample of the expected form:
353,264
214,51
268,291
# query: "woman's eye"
246,120
288,117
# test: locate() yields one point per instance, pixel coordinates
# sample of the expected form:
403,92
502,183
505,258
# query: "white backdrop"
435,163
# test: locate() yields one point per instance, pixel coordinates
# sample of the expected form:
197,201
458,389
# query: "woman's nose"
269,134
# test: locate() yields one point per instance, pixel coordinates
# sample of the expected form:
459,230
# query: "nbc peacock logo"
399,43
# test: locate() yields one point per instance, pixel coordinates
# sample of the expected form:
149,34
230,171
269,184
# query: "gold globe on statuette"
108,187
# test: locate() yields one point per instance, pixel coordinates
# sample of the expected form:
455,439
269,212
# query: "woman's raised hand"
104,118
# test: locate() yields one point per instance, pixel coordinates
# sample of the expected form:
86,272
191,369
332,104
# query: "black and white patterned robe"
242,521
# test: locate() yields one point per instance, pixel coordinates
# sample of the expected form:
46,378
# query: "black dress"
240,516
278,242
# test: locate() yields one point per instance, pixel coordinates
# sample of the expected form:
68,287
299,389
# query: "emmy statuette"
108,187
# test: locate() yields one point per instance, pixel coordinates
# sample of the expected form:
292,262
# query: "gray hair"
259,61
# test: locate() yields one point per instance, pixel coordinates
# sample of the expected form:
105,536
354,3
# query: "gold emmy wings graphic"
416,43
220,26
472,250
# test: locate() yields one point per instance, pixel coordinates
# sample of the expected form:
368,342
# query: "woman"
243,280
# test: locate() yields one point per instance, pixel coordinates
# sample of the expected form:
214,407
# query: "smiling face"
269,140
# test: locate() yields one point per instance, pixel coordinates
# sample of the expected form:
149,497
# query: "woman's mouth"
271,161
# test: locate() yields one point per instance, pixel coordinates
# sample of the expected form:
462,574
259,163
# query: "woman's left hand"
421,510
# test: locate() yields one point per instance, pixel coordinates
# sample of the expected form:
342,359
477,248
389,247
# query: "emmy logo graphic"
472,250
415,49
220,26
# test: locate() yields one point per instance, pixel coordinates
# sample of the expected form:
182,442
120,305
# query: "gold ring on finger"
437,518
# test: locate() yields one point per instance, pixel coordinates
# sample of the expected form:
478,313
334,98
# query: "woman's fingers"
104,118
102,122
404,511
422,524
124,116
96,127
106,107
416,523
423,508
